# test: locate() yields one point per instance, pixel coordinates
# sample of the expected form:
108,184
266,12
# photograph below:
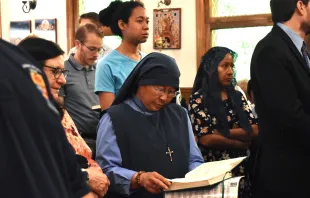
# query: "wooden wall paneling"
186,93
72,8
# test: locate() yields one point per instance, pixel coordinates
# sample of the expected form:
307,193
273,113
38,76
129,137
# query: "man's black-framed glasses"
57,71
93,49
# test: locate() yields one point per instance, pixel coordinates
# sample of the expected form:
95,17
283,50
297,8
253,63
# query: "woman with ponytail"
130,22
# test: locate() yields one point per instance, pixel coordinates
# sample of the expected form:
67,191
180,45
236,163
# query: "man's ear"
301,7
77,44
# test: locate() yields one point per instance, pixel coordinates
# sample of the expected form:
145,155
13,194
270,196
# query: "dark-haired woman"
106,15
221,118
131,24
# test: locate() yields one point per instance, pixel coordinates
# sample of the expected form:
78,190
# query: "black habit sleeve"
36,158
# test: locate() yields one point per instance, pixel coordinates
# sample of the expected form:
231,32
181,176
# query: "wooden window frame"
205,23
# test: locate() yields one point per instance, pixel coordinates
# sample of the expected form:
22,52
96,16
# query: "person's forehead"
86,21
227,57
57,62
93,39
138,12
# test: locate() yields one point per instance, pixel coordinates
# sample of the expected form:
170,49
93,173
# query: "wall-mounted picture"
167,28
19,30
46,28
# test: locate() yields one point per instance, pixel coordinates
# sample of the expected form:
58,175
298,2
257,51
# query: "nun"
37,159
144,139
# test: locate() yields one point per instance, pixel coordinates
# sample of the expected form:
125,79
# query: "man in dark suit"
280,73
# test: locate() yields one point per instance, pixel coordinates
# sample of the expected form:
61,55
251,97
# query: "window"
243,42
224,8
236,24
92,5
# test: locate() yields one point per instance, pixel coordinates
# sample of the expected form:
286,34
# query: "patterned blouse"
76,140
204,123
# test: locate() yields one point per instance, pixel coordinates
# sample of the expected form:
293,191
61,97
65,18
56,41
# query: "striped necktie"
305,53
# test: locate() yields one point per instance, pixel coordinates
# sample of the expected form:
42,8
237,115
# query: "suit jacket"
281,85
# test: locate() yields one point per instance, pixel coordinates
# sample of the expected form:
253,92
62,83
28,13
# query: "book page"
231,190
207,172
182,180
201,178
212,169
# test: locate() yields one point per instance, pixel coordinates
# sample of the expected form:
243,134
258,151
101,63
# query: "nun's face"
155,97
225,70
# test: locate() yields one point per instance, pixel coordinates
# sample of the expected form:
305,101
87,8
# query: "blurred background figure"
93,18
77,95
106,17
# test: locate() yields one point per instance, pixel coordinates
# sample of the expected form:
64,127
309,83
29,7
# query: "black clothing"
166,74
41,49
36,158
145,147
281,84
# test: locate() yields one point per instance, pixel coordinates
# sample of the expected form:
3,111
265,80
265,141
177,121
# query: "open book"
206,174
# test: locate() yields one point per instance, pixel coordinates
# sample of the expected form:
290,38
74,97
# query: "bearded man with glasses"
78,94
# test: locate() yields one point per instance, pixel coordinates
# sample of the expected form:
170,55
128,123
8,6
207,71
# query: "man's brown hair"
80,34
92,16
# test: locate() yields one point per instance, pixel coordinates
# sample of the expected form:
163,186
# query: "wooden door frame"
72,9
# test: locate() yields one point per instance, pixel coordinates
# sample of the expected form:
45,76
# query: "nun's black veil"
159,68
207,82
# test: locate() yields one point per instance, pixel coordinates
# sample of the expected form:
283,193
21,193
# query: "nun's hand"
154,182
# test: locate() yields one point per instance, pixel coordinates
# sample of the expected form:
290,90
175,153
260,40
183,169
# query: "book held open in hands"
206,174
226,189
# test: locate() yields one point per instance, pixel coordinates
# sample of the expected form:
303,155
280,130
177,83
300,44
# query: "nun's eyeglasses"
57,71
162,92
